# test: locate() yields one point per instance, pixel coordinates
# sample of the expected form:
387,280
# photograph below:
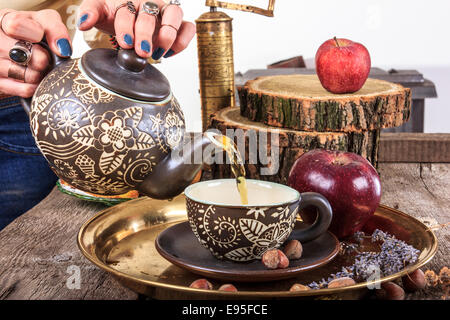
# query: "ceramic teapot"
108,122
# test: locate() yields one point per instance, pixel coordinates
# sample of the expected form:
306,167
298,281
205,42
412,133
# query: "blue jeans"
25,177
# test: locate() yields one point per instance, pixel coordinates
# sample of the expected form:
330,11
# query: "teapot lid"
126,74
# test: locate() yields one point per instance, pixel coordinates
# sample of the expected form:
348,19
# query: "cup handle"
322,222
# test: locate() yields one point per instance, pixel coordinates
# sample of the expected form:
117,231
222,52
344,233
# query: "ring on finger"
1,20
150,8
20,53
130,6
17,72
170,3
169,25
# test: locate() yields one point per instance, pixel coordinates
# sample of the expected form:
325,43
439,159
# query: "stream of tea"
237,167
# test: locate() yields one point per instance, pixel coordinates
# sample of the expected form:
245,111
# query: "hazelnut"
390,291
299,287
414,281
275,259
341,282
293,250
201,284
228,287
284,261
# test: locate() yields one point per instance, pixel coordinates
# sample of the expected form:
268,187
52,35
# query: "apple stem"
337,42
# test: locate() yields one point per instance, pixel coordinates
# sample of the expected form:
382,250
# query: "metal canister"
216,64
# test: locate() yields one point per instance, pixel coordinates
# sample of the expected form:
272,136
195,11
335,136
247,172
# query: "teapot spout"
177,170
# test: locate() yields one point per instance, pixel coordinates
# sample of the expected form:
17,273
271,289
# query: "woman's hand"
165,36
29,26
162,37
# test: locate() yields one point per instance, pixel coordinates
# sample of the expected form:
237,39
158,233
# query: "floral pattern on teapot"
98,141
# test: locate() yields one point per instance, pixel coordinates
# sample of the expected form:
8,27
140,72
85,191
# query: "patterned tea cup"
237,232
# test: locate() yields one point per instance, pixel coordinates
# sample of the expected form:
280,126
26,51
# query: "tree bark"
290,144
300,102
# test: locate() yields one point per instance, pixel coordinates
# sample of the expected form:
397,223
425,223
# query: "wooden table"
39,254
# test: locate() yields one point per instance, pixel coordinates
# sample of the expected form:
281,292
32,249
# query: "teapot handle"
55,60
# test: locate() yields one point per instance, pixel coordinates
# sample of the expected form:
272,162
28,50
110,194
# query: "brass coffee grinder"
215,55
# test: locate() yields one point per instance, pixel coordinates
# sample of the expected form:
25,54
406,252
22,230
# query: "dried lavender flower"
379,235
314,285
348,248
359,236
394,256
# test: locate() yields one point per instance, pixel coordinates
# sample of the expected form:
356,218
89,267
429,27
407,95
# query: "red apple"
342,65
347,180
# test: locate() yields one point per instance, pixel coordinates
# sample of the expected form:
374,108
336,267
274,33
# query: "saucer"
179,245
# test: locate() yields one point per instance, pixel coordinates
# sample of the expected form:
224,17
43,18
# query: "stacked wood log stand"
304,116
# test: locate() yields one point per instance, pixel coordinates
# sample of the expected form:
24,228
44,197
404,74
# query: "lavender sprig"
394,256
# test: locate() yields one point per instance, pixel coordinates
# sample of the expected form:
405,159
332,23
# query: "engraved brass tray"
121,241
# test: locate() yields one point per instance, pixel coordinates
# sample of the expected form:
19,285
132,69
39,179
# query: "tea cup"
237,232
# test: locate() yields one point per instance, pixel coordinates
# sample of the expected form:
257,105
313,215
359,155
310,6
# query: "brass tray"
121,241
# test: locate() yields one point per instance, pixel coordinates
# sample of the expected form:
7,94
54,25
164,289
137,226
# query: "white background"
401,34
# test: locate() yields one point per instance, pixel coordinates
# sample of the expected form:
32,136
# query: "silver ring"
170,3
130,6
1,20
21,52
17,72
150,8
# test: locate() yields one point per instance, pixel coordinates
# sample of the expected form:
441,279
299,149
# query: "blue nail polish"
169,53
157,54
128,39
145,46
83,19
64,47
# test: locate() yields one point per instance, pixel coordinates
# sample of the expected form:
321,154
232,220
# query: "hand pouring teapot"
108,122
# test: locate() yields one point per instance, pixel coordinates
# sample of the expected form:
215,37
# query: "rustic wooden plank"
294,62
39,247
422,191
414,147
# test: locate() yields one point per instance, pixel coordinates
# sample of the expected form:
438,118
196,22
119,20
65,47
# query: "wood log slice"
300,102
284,145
